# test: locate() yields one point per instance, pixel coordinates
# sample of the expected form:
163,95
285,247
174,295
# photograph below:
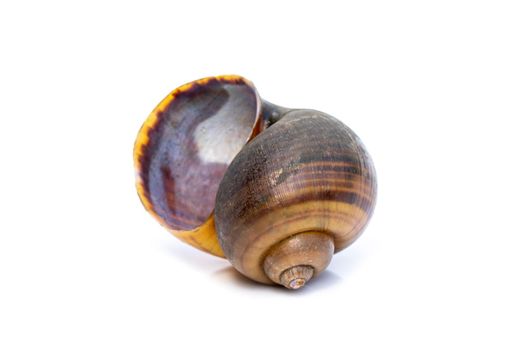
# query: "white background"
435,89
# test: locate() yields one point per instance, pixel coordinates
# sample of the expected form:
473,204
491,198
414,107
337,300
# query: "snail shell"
300,191
276,191
184,148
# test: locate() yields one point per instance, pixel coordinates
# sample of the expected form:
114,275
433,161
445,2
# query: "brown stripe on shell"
271,173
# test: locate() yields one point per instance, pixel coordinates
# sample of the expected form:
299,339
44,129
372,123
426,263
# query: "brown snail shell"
300,191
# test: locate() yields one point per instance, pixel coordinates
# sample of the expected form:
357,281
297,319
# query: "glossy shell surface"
307,172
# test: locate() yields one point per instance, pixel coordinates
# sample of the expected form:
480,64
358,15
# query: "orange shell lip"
184,147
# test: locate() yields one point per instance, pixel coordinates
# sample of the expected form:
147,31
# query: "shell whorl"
308,172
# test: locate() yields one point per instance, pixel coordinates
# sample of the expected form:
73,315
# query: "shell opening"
187,143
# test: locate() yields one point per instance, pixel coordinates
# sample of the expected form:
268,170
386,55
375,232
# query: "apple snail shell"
277,206
300,191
